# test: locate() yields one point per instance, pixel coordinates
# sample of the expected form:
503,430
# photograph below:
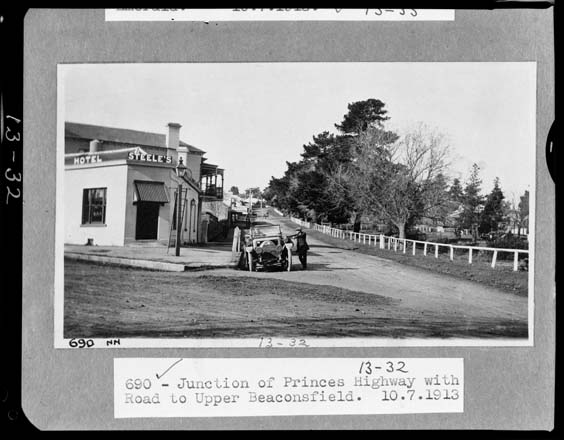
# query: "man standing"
302,246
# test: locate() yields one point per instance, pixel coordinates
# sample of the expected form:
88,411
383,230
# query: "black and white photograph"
318,204
297,219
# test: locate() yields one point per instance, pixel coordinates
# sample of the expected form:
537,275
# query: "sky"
251,118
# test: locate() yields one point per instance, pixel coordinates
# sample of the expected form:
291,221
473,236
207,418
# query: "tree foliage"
401,179
366,170
455,192
473,202
316,187
493,213
363,115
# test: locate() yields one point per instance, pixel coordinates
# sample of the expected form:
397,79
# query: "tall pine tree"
492,215
455,192
472,202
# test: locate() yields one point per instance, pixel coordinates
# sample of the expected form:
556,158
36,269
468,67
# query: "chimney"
94,146
173,139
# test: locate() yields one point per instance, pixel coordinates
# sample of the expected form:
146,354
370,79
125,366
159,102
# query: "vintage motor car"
265,246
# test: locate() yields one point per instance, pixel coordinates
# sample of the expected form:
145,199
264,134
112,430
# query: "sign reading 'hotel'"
82,160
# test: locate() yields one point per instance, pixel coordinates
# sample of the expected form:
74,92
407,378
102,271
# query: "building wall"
191,223
114,178
193,162
217,208
155,174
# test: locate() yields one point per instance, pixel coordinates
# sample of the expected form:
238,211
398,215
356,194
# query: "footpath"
153,255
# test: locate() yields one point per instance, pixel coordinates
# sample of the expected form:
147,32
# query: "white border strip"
267,344
278,14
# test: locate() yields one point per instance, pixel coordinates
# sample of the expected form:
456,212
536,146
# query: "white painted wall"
155,174
114,178
190,224
219,208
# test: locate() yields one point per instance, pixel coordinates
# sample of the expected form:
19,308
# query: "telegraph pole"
178,222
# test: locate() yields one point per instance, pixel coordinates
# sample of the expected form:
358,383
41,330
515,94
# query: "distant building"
120,185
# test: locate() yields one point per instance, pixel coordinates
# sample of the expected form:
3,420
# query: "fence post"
494,259
425,249
381,241
470,256
414,245
395,245
516,262
436,250
404,246
451,253
389,242
363,238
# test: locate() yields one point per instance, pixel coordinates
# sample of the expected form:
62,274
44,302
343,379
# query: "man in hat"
302,246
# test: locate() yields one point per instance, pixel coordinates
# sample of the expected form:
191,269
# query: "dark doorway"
147,224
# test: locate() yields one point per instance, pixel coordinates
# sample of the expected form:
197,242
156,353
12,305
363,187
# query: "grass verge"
501,277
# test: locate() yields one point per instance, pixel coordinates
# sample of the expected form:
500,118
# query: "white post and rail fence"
402,244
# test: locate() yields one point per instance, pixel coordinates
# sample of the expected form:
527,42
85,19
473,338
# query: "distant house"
120,185
515,224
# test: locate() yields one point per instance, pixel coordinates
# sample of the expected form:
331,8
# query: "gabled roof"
121,135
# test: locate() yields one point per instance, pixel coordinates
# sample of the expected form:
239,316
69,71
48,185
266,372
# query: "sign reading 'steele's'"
146,157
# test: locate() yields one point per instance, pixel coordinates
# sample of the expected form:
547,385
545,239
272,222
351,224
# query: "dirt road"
342,294
415,288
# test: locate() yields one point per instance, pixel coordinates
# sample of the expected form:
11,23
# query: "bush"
415,235
509,242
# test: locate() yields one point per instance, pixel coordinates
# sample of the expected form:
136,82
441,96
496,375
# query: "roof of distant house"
122,135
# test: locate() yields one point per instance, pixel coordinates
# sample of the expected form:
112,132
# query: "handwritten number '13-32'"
10,175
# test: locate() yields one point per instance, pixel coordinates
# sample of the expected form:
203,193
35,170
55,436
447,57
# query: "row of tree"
367,171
